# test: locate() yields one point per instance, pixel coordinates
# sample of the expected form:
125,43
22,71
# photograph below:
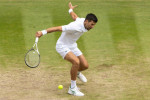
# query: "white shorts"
64,49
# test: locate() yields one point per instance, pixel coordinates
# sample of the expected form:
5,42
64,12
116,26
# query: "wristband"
70,10
44,32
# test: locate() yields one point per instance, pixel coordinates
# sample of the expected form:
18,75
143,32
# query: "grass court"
117,50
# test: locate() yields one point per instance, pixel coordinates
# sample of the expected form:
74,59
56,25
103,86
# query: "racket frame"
36,50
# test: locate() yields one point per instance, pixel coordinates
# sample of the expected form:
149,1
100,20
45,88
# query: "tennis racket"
32,57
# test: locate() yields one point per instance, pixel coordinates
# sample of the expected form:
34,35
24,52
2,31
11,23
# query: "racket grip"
36,40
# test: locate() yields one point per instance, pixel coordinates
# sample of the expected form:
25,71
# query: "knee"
86,66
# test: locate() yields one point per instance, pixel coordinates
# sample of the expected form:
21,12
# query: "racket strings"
32,58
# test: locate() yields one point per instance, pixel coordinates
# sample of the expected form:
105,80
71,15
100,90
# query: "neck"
84,24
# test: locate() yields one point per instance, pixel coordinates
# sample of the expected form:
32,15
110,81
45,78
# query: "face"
89,25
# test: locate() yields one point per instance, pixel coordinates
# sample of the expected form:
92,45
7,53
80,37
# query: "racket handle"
36,40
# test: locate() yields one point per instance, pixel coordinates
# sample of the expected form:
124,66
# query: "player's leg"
74,69
75,64
68,55
83,63
83,66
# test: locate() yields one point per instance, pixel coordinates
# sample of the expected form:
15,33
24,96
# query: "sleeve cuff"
63,28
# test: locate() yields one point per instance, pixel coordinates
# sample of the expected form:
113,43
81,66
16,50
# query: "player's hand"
72,7
39,34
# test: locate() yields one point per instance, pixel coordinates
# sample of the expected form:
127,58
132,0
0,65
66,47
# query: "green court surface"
117,50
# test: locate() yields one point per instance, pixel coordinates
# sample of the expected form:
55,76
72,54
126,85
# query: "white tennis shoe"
82,77
75,91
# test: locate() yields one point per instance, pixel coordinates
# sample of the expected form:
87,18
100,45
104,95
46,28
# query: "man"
66,45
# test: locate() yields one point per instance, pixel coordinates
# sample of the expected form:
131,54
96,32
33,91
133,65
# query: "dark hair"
91,17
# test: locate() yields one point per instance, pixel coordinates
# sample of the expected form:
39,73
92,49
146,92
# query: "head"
90,21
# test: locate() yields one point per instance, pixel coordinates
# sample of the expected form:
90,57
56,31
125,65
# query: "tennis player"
66,45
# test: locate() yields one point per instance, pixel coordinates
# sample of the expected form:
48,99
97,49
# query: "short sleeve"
77,18
70,27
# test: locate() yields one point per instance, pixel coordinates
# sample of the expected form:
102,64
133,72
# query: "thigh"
76,51
83,61
72,58
62,50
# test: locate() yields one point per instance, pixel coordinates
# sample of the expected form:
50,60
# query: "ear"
86,21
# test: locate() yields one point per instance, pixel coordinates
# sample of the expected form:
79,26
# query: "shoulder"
75,25
80,19
80,24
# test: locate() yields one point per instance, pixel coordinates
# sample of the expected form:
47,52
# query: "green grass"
117,50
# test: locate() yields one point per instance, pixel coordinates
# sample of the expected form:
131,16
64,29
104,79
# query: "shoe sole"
70,93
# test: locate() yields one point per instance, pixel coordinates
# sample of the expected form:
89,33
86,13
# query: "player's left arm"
72,14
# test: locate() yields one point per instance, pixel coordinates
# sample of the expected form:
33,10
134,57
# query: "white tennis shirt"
72,32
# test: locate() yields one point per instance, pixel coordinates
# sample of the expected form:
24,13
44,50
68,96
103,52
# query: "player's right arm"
49,30
72,14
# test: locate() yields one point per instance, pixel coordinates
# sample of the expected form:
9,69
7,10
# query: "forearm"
54,29
73,15
49,30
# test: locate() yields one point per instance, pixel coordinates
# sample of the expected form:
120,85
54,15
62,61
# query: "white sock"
73,84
